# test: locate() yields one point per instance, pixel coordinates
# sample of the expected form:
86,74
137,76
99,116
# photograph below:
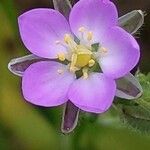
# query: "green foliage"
136,113
8,6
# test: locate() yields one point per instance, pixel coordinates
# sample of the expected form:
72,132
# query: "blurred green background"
27,127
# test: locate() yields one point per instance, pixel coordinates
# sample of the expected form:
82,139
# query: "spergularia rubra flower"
92,51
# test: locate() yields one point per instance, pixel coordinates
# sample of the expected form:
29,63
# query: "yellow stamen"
61,56
73,62
73,59
67,38
90,36
60,71
73,69
85,73
82,29
91,62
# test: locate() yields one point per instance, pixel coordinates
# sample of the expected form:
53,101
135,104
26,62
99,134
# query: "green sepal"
95,47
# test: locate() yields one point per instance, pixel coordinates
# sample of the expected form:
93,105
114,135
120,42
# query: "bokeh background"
27,127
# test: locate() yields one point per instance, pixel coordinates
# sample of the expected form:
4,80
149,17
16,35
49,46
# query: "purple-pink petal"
94,15
122,53
43,85
40,29
94,94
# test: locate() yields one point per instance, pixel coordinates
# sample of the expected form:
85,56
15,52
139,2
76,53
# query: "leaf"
137,117
11,13
137,114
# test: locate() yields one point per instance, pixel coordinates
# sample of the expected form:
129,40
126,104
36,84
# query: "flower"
92,39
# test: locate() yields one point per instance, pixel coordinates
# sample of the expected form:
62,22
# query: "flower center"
80,55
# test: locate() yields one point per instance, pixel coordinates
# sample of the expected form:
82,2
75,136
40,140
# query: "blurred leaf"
137,117
10,9
98,137
4,143
27,124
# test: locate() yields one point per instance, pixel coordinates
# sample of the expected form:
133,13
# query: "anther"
81,29
73,61
89,36
103,49
61,56
67,38
91,62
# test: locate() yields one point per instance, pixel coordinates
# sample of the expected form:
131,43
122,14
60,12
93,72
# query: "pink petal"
94,15
94,94
40,29
122,53
42,84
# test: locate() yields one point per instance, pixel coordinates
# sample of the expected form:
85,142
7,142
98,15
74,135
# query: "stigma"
81,57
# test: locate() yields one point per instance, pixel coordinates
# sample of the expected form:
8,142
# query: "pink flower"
46,33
